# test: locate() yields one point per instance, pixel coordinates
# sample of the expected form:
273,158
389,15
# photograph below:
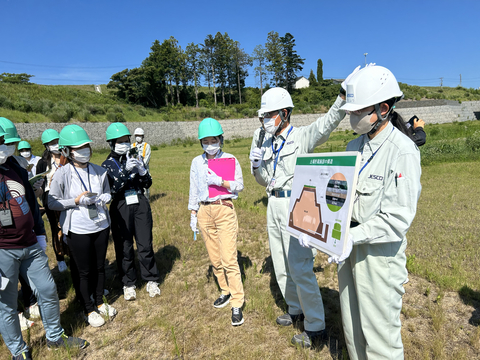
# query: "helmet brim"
80,145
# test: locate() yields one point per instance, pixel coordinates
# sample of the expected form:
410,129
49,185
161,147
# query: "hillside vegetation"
58,103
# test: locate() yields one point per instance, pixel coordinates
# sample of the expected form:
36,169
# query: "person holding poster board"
215,180
372,268
273,163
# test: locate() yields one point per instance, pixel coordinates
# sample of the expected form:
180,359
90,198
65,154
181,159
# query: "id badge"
4,283
92,211
6,217
271,186
131,197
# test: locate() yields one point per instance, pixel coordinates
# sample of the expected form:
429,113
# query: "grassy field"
441,309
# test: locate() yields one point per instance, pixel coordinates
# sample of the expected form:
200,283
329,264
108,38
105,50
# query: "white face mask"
25,154
211,149
360,123
81,155
11,150
139,139
54,149
122,148
3,153
269,124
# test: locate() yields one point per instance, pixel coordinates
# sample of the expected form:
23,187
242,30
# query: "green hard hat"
2,132
116,130
50,135
73,135
209,127
11,135
23,145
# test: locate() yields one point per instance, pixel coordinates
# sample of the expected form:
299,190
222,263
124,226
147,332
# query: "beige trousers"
219,227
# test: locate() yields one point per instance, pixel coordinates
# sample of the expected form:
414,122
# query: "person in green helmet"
80,190
50,162
211,207
131,213
11,139
25,150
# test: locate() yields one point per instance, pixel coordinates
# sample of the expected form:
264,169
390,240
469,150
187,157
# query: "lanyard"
371,157
88,175
116,163
276,153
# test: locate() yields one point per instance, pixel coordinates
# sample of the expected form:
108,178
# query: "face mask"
361,122
3,153
25,154
81,155
269,124
211,149
139,139
54,149
122,148
10,150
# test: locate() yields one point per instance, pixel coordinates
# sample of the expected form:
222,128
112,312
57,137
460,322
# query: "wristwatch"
222,182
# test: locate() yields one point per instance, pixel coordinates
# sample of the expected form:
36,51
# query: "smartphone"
133,152
90,194
412,120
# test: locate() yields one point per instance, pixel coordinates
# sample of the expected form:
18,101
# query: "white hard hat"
275,99
370,86
139,131
260,113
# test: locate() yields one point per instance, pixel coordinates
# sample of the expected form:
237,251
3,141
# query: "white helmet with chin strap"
139,131
372,85
274,99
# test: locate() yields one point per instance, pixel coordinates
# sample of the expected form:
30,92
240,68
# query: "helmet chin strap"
380,118
283,120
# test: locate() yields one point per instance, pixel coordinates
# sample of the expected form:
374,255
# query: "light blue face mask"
3,153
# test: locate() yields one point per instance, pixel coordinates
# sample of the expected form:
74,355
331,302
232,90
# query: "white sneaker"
95,319
129,293
62,266
106,309
153,289
33,312
24,322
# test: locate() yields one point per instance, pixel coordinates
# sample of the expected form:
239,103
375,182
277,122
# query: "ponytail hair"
397,120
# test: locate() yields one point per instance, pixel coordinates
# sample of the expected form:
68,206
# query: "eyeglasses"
270,114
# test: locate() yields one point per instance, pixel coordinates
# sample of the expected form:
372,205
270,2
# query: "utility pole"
441,81
460,80
365,54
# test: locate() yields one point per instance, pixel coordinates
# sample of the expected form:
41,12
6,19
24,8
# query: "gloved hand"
256,156
141,168
344,83
42,241
37,184
131,163
85,200
193,222
303,239
103,199
346,252
213,179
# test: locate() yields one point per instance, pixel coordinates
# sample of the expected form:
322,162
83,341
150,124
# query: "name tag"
92,211
6,218
131,197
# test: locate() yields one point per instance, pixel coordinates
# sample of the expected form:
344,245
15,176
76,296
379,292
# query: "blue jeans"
32,264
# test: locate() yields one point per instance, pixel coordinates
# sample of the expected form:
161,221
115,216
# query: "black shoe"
23,356
237,316
222,301
67,342
287,319
309,339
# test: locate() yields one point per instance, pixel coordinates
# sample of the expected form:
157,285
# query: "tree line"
171,75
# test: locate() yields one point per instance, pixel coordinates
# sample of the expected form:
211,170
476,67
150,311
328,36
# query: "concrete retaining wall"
431,111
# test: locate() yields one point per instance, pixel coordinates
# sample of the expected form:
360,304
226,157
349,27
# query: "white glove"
303,239
103,199
141,168
193,223
344,83
86,200
346,252
37,184
256,156
42,240
213,179
131,163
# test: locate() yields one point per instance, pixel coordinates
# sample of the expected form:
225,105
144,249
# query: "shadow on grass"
244,263
267,268
155,197
263,200
472,298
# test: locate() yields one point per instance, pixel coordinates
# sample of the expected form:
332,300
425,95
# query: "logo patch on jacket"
376,177
290,142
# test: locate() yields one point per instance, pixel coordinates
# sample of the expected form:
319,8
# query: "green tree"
312,79
16,78
240,61
319,70
193,54
273,54
258,59
293,62
208,49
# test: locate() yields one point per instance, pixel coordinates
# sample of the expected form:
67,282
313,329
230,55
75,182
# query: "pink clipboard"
225,168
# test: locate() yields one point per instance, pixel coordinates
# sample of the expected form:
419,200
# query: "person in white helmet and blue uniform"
372,269
273,163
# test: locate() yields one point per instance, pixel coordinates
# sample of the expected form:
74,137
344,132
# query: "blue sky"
85,42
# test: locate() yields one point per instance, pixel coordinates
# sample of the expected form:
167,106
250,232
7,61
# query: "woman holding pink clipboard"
215,180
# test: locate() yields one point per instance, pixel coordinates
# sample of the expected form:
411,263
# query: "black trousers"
52,219
89,252
129,221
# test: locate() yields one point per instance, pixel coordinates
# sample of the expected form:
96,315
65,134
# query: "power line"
68,67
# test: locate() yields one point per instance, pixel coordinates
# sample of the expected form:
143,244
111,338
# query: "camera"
133,152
